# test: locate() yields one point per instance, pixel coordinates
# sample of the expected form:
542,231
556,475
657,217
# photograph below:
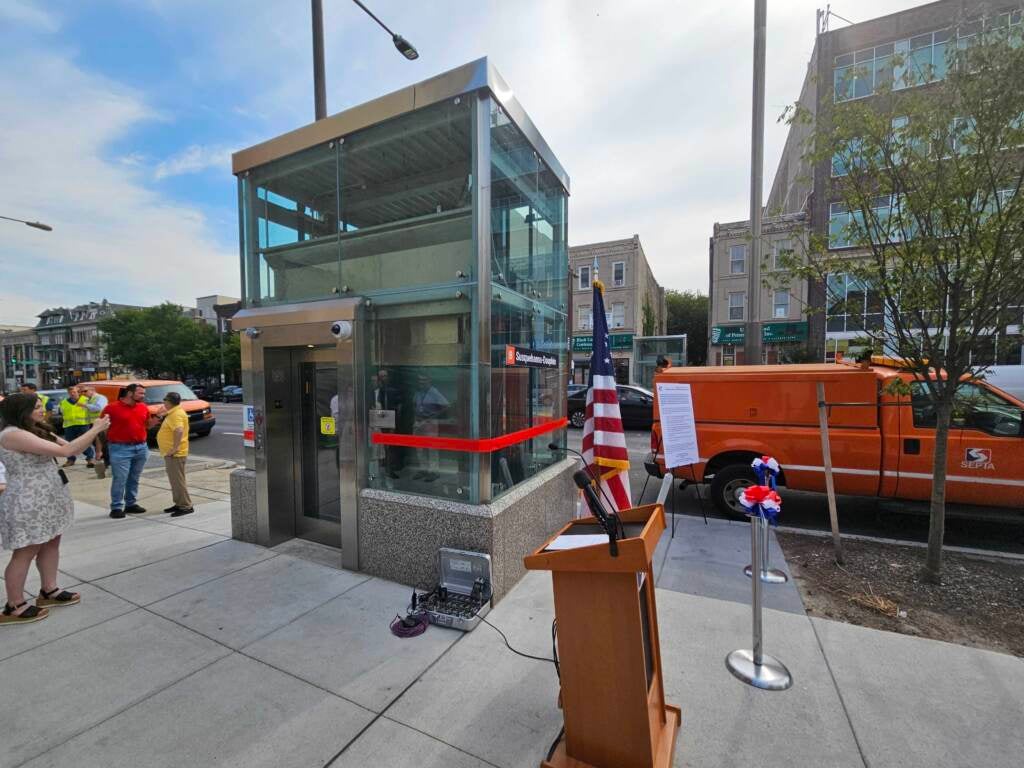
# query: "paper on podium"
576,541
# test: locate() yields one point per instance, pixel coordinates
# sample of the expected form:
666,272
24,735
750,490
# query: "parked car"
883,446
576,388
636,405
57,396
200,416
232,393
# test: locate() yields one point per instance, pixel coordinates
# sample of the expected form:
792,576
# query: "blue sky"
118,118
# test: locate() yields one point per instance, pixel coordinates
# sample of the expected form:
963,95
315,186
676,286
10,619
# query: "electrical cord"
552,660
519,653
413,625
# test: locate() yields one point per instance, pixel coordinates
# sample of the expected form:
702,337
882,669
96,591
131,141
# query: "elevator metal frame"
302,327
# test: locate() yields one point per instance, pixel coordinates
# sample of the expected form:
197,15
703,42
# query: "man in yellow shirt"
75,421
172,439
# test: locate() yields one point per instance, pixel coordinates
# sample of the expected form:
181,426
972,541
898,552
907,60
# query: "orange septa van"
200,416
882,444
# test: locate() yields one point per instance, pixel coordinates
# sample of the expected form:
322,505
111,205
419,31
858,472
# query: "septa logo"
510,355
978,458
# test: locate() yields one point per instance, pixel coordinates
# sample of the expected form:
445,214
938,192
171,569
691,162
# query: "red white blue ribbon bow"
761,501
767,470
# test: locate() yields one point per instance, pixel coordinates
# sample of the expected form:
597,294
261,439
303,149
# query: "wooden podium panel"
610,658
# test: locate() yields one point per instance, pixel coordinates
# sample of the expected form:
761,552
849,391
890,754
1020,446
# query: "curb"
903,543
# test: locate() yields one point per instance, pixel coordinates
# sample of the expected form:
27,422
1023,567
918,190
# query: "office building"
906,51
206,311
17,351
69,348
634,303
778,315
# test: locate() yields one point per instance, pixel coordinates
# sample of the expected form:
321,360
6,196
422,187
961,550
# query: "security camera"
341,330
252,333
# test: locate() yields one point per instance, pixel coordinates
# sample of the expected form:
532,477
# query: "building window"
619,274
728,354
618,315
914,61
737,303
780,307
584,278
737,259
782,250
585,321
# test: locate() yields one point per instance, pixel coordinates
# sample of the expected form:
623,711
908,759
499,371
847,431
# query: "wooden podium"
612,697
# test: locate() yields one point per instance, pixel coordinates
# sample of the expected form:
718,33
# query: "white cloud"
194,159
113,236
646,103
30,14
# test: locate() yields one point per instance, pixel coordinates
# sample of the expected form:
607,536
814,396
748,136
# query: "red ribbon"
467,445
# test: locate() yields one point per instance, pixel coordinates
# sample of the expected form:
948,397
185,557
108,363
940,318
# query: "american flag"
604,442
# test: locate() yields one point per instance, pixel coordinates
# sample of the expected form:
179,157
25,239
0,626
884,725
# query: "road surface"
858,515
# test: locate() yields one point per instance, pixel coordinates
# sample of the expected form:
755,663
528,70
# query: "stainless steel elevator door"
318,515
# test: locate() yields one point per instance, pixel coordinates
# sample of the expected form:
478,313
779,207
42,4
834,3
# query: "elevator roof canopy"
465,79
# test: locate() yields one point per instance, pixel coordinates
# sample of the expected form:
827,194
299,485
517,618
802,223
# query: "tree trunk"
937,521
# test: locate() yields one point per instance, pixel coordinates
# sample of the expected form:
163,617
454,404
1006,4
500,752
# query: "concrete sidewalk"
193,649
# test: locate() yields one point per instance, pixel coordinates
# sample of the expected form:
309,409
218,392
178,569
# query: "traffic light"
14,360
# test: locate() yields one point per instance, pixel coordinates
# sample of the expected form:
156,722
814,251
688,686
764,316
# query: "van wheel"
729,482
578,419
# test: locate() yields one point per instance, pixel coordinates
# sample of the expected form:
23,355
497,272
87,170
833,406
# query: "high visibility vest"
43,399
73,414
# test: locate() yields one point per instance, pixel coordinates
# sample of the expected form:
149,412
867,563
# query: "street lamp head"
405,47
39,225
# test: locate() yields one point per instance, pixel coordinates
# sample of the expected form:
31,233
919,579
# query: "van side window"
976,407
921,406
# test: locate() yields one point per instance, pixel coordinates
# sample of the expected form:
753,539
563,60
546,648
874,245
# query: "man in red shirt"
129,422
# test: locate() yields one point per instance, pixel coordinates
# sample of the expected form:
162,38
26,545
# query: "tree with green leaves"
688,313
161,341
928,223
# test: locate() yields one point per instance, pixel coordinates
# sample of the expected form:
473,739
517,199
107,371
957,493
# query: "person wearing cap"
172,439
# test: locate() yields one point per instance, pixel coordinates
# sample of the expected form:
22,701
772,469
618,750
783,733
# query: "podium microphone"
590,470
582,481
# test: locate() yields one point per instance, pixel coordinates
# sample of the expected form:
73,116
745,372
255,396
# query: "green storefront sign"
727,334
781,333
617,341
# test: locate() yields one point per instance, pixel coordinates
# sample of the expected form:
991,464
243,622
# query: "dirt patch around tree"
980,602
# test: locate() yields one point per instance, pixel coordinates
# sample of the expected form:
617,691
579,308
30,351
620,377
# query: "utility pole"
319,86
752,339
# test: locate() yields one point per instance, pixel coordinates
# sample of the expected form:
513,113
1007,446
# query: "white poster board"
678,425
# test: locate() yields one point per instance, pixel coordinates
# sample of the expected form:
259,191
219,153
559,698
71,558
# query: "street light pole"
752,340
404,47
33,224
319,85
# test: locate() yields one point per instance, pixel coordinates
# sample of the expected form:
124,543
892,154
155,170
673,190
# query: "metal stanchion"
769,575
753,666
766,469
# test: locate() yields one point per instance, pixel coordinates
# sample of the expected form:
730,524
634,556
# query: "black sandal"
53,599
31,614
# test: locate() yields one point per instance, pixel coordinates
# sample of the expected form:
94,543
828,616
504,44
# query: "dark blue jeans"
70,433
127,461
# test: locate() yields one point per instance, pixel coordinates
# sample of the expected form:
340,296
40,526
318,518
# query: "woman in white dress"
36,507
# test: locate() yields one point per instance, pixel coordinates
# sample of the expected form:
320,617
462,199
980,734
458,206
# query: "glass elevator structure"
391,256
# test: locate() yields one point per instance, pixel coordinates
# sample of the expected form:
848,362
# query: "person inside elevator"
387,397
430,406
